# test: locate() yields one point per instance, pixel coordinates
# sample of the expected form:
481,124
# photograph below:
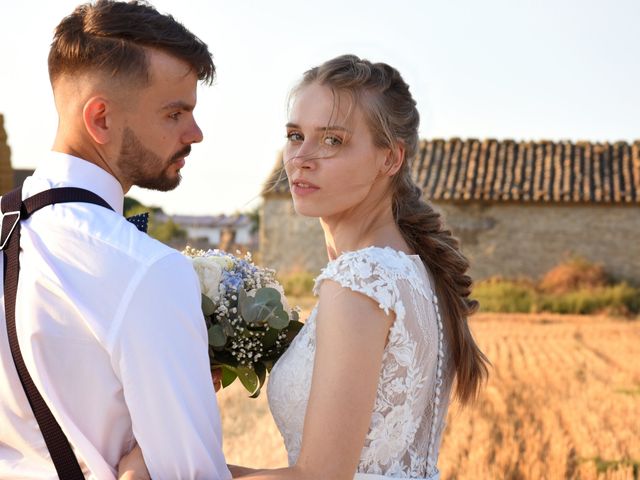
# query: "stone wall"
508,240
6,172
512,240
290,242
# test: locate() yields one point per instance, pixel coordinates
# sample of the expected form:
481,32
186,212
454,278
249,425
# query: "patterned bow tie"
141,221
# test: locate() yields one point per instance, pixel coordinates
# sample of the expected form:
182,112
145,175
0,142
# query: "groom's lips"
179,158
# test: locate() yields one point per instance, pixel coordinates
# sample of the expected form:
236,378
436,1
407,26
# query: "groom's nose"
193,134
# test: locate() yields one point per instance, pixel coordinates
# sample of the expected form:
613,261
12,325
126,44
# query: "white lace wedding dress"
413,391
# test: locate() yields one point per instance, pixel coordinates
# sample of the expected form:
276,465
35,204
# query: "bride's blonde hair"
393,119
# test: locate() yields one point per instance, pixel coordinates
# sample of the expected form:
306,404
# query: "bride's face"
331,161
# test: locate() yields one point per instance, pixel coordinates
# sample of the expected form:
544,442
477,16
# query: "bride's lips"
301,187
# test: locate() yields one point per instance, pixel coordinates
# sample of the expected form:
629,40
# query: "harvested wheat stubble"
562,402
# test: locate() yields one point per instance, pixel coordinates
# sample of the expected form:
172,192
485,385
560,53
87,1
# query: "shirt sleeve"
160,352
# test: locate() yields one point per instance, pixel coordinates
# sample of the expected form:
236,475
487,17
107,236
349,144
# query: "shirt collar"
62,169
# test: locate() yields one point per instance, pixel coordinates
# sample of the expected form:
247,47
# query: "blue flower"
232,280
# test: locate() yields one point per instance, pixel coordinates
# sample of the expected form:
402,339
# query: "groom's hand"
216,376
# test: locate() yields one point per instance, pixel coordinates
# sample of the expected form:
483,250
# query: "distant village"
231,233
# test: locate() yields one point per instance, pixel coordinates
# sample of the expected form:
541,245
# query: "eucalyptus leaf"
256,394
217,338
278,318
248,378
256,312
246,307
262,312
242,293
228,376
227,328
208,307
268,295
261,372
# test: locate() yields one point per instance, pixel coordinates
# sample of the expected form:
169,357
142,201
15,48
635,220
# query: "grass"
297,284
572,287
604,466
505,296
523,297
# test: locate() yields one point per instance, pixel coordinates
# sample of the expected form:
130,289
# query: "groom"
108,320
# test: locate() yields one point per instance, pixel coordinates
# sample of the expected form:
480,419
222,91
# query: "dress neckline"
385,248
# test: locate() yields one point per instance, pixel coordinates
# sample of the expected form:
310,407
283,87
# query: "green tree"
254,216
131,203
162,231
167,231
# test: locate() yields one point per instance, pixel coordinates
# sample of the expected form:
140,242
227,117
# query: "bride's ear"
96,116
394,158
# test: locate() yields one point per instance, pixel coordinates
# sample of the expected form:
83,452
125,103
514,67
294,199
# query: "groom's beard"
143,168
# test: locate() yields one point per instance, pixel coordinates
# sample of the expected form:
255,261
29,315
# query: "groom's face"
159,126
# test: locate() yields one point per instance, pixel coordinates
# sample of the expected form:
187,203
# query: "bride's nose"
303,157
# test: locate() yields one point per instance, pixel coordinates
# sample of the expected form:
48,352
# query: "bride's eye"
332,141
294,137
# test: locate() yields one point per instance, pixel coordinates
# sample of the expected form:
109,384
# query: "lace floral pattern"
412,393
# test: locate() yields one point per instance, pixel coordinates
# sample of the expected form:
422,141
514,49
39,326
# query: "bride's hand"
132,466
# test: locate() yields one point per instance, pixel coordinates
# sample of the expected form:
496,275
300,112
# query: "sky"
505,69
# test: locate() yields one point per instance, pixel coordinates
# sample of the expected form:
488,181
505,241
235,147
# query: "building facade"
226,232
519,208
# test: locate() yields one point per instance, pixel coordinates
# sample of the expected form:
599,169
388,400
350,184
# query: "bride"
364,388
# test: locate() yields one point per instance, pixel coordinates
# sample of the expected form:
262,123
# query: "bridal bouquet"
249,322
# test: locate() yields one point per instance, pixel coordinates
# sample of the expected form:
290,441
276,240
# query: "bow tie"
141,221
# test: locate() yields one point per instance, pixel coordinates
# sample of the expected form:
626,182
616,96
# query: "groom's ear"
96,116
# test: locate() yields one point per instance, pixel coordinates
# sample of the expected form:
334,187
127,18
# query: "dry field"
563,402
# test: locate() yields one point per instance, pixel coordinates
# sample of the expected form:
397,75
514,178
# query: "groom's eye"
175,115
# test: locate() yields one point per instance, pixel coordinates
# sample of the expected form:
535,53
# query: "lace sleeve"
366,272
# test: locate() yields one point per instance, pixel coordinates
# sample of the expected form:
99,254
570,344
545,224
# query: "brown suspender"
14,210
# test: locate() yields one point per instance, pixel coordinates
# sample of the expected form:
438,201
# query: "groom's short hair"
110,37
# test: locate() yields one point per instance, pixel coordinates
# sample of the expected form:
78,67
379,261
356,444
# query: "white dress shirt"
110,328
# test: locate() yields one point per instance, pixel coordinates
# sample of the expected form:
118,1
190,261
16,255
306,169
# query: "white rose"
225,262
209,273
